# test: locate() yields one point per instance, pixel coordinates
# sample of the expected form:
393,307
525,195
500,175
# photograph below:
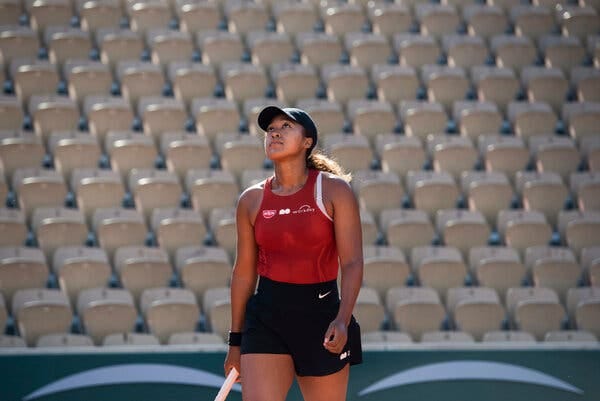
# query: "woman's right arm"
244,276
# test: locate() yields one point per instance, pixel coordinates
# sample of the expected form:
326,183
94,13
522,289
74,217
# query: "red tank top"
295,236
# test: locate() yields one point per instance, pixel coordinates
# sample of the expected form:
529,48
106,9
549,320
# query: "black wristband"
235,339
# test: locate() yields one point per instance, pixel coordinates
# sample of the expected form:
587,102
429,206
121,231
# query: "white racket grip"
227,384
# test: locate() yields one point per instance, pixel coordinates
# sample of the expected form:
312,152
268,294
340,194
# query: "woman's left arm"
348,234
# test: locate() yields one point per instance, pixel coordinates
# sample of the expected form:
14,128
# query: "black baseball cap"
300,116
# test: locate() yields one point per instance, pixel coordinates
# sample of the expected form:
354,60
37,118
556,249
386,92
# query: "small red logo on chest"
267,214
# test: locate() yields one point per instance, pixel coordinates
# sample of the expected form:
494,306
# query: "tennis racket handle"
227,384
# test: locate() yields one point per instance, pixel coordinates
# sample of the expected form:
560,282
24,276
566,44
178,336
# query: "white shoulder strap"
319,195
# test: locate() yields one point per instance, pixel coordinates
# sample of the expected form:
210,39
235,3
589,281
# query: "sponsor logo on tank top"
284,211
267,214
304,209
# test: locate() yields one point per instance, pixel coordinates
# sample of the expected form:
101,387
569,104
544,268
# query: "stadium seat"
562,52
521,229
191,80
138,79
255,176
415,310
17,42
513,51
369,227
58,226
218,46
437,20
39,311
462,229
580,119
195,17
452,154
169,310
464,50
497,267
294,18
201,268
67,43
118,227
543,84
407,228
47,13
130,150
389,18
22,268
579,229
106,311
11,113
590,262
485,20
543,192
487,192
508,336
531,118
216,306
318,48
107,113
377,190
423,118
587,83
395,83
495,84
13,230
153,189
214,116
504,154
168,45
371,117
444,337
37,187
52,113
86,78
7,341
223,228
327,115
209,189
344,82
385,338
129,339
555,154
536,310
438,267
267,48
244,17
352,151
64,340
35,77
95,15
239,152
294,82
160,115
177,227
116,45
415,50
341,18
96,188
585,190
72,150
369,310
571,337
578,20
432,190
196,338
366,49
553,267
399,154
20,150
147,15
532,21
185,151
139,268
384,267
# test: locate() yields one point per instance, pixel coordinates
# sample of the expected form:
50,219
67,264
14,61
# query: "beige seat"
38,188
255,176
495,84
585,188
543,84
153,189
555,154
209,189
553,267
366,49
399,154
344,82
407,228
423,118
215,116
86,78
139,79
96,188
3,313
352,151
216,306
294,82
462,229
318,48
504,154
508,336
444,84
521,229
167,45
415,50
202,268
377,190
532,21
579,21
437,20
570,337
431,191
475,118
415,310
513,51
21,268
52,113
342,18
196,338
267,48
243,80
587,83
107,113
222,226
58,226
577,295
117,227
8,341
543,192
160,115
11,113
245,17
590,151
169,310
175,228
195,17
118,45
139,268
64,340
239,152
20,150
562,52
579,229
47,13
67,43
327,115
464,50
129,339
369,227
485,20
39,311
106,311
395,83
531,118
535,309
185,151
438,267
100,14
487,192
17,42
384,267
443,337
452,154
371,117
13,230
130,150
389,18
219,46
580,118
497,267
72,150
78,268
586,307
294,18
38,77
385,338
191,80
148,15
369,310
590,262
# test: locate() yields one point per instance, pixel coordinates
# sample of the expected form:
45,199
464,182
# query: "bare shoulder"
251,198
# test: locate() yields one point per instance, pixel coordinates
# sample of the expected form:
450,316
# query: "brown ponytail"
319,161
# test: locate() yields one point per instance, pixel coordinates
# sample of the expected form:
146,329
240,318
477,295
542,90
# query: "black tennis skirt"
284,318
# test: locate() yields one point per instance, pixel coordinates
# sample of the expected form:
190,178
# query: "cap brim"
268,113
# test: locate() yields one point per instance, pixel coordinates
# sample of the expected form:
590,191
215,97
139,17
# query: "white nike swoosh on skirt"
321,296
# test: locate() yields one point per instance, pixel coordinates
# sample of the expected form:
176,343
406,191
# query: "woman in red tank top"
295,230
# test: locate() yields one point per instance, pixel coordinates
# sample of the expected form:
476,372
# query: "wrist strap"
235,339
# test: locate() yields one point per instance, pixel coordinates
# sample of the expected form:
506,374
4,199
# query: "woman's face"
285,138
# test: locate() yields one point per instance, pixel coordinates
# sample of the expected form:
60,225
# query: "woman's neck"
289,178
